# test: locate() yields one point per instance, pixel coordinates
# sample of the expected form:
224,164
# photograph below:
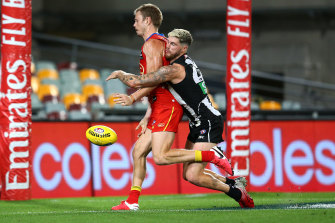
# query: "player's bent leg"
201,178
161,146
141,150
196,175
206,177
163,155
221,160
218,158
232,180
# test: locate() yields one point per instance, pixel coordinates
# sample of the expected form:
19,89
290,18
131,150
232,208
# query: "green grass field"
270,207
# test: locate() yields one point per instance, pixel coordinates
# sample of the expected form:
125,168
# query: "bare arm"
154,51
166,73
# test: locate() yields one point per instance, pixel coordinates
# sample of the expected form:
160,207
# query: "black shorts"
210,130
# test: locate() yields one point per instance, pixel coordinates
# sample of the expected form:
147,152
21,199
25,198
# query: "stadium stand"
97,110
85,74
105,72
36,104
67,65
85,95
93,93
47,74
55,111
254,105
76,115
119,107
70,88
74,102
48,93
68,75
291,105
92,82
220,99
44,64
113,86
55,82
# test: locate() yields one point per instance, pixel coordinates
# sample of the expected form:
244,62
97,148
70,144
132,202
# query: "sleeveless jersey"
161,92
191,93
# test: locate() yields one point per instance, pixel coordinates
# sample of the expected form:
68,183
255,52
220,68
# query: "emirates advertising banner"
15,105
285,156
238,81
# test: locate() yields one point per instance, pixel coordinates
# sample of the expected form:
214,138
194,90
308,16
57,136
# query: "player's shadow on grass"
314,205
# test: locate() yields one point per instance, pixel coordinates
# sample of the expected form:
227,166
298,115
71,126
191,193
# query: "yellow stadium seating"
47,74
74,100
93,94
90,90
88,74
47,92
270,105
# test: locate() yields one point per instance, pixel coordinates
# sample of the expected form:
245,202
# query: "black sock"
230,182
234,193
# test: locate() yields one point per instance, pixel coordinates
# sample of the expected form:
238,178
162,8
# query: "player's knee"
192,177
160,159
138,153
135,154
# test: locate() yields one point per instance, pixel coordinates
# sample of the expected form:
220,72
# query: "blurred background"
77,43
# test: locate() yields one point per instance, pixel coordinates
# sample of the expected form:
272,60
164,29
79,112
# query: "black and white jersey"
191,93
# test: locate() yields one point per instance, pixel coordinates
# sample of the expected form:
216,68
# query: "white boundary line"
297,207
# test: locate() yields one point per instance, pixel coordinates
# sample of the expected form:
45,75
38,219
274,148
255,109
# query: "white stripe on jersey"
210,106
176,95
196,77
209,130
183,103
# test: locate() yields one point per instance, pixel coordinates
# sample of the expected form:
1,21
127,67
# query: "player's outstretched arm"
127,100
163,74
122,99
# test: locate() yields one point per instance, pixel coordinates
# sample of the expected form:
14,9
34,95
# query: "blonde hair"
152,11
183,35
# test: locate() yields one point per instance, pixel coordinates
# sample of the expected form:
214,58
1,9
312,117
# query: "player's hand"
122,99
143,124
115,74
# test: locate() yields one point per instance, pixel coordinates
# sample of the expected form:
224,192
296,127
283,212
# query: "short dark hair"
152,11
183,35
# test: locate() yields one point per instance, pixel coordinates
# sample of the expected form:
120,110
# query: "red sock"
133,196
207,156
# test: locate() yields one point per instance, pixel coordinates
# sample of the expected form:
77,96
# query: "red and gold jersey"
161,94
